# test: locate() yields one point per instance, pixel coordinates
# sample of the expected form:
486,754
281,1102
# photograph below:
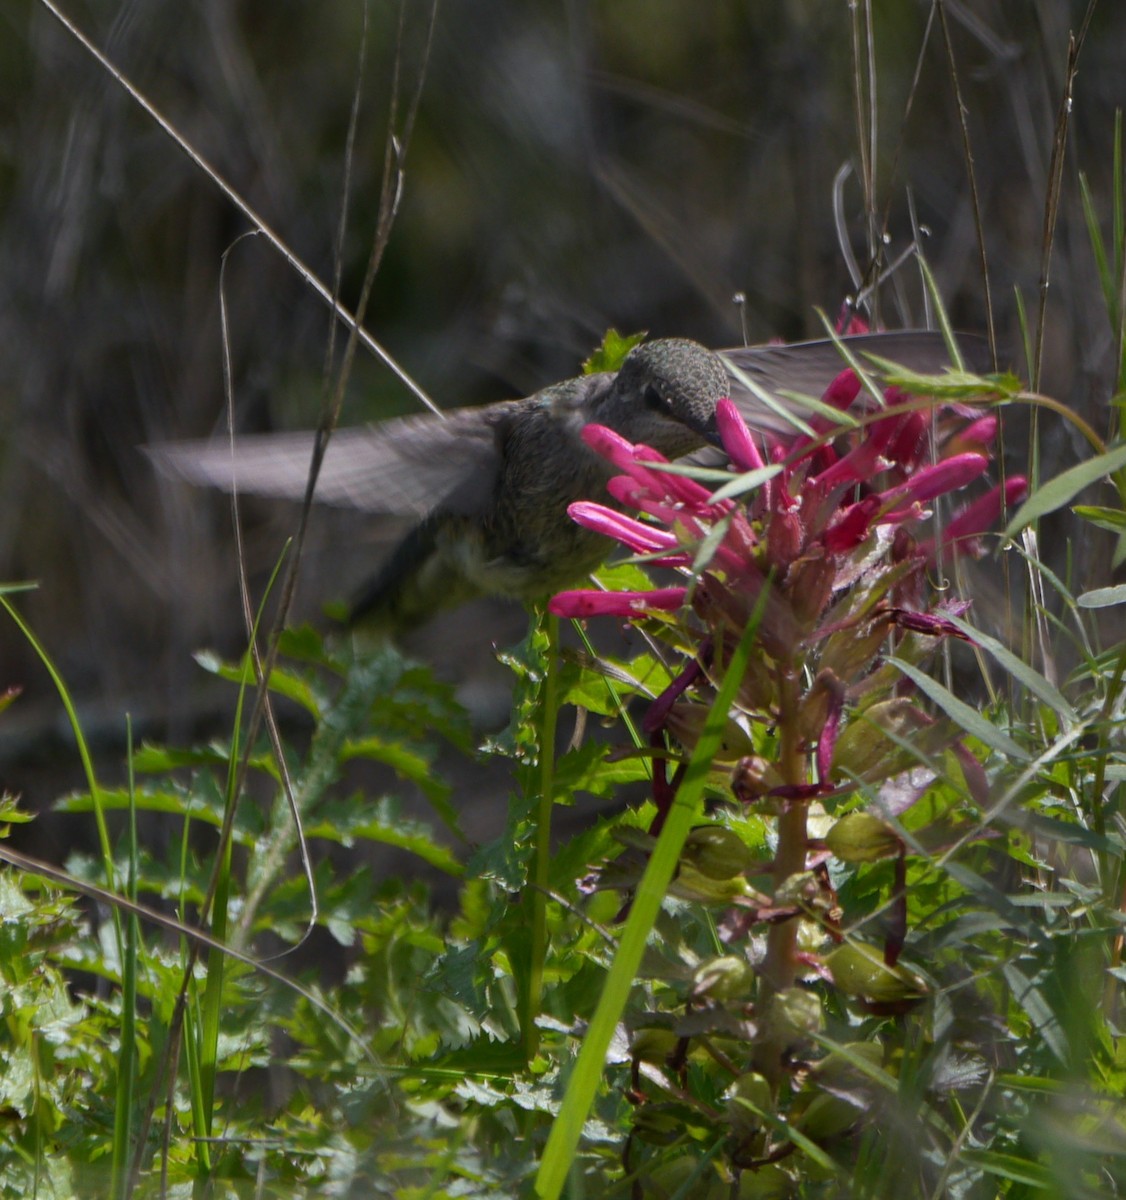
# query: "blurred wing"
403,467
809,367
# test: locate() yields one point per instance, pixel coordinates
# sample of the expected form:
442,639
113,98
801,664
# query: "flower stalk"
824,558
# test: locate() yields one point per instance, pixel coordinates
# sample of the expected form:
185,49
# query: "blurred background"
573,166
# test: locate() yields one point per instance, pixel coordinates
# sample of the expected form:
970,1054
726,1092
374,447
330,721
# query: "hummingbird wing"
402,467
809,367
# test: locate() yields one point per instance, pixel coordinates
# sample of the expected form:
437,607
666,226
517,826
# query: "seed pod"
828,1116
860,971
849,651
691,884
747,1098
769,1182
686,720
794,1014
671,1178
864,748
658,1124
723,979
717,852
753,777
862,837
836,1069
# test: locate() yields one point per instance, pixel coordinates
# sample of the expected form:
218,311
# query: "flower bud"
862,837
809,587
824,697
784,537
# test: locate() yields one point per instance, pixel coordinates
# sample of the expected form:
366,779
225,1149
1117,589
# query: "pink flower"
736,437
588,603
640,538
963,531
805,525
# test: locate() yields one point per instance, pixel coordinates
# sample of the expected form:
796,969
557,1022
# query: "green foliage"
987,1062
612,352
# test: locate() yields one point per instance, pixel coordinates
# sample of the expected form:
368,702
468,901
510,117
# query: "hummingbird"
489,487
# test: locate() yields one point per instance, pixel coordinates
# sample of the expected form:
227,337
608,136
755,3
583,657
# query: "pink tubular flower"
978,433
962,533
808,597
588,603
640,538
800,547
946,476
736,438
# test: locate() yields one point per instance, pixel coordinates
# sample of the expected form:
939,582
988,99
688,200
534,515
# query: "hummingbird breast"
529,546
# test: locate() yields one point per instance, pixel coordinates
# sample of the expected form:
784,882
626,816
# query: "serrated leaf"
612,352
387,826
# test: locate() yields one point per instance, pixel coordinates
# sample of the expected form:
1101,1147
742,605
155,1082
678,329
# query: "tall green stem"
541,869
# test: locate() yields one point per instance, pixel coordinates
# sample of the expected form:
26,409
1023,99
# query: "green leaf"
611,354
1009,1166
1104,597
1113,519
586,770
962,714
350,820
1058,491
1019,669
282,682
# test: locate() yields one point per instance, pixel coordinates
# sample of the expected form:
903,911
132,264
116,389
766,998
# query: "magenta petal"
980,432
588,603
852,528
858,465
609,445
628,457
983,514
641,538
843,390
909,440
736,437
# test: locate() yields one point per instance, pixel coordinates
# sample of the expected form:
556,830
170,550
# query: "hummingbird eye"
653,399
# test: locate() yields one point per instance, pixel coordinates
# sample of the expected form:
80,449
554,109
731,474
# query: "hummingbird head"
665,396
